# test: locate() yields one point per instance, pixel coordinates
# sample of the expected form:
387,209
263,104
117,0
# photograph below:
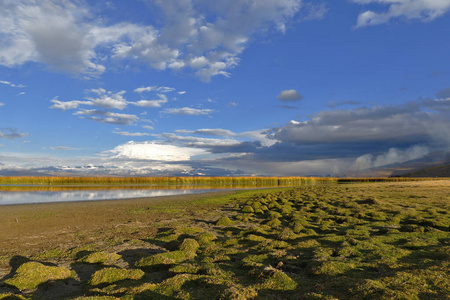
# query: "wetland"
371,240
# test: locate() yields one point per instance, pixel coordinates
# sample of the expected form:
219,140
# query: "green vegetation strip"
358,241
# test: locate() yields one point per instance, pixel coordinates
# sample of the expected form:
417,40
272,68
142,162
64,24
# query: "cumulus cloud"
103,99
423,10
289,95
188,111
11,134
1,104
106,116
206,37
154,151
68,104
50,32
108,100
152,103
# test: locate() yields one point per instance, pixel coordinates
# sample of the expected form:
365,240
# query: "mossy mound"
186,251
100,257
277,280
205,238
31,274
166,258
189,245
111,275
286,234
248,209
185,268
224,221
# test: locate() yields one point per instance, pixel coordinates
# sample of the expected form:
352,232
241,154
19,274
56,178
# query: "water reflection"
27,197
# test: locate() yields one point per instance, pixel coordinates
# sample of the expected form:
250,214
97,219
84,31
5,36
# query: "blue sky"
242,87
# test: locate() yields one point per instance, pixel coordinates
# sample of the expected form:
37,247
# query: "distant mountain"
434,159
438,171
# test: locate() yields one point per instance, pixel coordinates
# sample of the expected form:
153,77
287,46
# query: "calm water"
26,197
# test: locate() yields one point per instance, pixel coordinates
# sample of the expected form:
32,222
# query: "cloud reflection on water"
7,198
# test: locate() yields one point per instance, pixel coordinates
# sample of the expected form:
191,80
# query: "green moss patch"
100,257
31,274
111,275
224,221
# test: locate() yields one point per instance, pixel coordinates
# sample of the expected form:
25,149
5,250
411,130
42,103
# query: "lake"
43,195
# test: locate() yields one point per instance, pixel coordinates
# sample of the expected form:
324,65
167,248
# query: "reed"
166,181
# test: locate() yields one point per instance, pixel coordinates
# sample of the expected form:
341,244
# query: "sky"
221,88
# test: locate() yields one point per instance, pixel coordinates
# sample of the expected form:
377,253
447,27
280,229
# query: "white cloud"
258,135
423,10
165,89
63,34
108,100
106,116
160,89
68,104
188,111
154,151
145,89
51,32
151,103
148,127
104,99
1,104
12,84
289,95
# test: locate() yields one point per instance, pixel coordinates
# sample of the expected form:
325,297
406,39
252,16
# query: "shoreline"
30,227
